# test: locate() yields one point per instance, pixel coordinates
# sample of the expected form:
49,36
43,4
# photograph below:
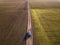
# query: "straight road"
29,26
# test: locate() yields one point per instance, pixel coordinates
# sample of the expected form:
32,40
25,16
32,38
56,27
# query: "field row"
46,26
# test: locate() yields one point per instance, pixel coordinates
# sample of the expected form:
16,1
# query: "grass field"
46,26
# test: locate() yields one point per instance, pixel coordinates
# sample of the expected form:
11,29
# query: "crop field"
13,22
46,26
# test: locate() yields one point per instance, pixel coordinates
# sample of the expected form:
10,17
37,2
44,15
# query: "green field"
46,26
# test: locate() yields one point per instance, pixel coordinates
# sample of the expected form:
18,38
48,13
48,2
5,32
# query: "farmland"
13,22
44,5
46,26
